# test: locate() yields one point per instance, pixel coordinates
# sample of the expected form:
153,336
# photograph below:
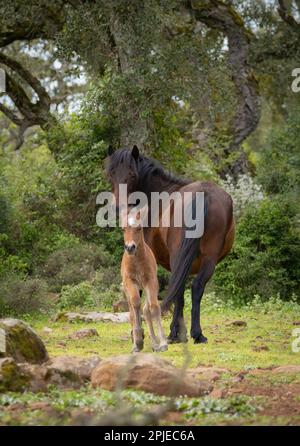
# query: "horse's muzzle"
130,249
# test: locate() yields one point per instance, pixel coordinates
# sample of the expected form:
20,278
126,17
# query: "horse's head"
122,168
133,234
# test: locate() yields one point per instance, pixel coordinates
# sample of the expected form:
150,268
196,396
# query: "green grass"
237,348
263,343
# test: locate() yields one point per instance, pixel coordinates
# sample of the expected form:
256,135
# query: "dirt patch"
279,400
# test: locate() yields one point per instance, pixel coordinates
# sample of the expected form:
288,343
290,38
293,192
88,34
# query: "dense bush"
70,266
265,259
22,296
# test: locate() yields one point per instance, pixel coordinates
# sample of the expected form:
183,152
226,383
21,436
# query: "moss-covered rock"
12,377
21,342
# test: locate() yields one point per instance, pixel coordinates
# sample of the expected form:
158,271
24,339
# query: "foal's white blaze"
131,221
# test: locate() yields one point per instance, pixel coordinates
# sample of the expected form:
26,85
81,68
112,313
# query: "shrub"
22,296
244,191
265,259
70,266
77,296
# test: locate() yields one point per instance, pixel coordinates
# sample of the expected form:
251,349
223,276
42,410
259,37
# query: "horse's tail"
187,253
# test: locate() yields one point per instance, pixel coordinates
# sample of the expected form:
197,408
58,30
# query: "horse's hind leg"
178,332
206,271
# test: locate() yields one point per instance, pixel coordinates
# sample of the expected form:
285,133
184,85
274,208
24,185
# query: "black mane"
150,172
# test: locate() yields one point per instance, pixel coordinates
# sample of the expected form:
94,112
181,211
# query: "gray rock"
22,343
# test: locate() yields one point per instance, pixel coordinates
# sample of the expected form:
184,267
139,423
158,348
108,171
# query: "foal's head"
133,235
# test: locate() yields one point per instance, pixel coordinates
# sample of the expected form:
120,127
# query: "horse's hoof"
136,350
163,348
173,340
200,340
177,340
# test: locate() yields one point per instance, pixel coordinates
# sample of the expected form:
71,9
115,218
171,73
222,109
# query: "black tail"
187,253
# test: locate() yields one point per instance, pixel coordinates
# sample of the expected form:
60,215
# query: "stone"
22,343
93,317
238,323
12,378
74,365
84,333
120,306
287,369
68,372
148,372
211,374
47,330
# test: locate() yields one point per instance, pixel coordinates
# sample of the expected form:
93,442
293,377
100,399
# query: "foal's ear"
110,150
135,152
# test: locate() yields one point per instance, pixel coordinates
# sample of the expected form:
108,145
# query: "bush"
265,259
77,296
22,296
71,266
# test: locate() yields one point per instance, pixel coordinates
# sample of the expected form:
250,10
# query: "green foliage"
70,266
279,165
76,296
265,259
22,296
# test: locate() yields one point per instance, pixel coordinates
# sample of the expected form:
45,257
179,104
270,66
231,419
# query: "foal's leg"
155,314
148,319
206,271
134,301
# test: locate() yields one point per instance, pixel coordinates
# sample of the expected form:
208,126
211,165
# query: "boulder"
84,333
12,377
93,317
74,366
22,343
146,372
120,305
69,372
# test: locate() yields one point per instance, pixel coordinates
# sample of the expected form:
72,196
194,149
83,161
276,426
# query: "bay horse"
171,248
139,272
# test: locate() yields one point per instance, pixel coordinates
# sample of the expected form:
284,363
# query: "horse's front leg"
134,301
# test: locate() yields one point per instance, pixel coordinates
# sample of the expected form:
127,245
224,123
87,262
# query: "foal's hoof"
200,340
163,348
160,348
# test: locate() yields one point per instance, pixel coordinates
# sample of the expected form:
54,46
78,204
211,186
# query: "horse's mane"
149,171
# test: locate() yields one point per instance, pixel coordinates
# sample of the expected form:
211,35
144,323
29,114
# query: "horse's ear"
135,152
110,150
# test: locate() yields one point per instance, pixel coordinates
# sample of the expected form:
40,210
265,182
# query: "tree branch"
31,113
286,16
218,15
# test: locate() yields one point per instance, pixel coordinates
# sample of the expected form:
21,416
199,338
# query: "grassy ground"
264,341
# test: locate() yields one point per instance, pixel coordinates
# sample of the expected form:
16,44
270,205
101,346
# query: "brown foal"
139,272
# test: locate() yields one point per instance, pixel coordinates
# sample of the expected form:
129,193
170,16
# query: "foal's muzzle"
130,248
